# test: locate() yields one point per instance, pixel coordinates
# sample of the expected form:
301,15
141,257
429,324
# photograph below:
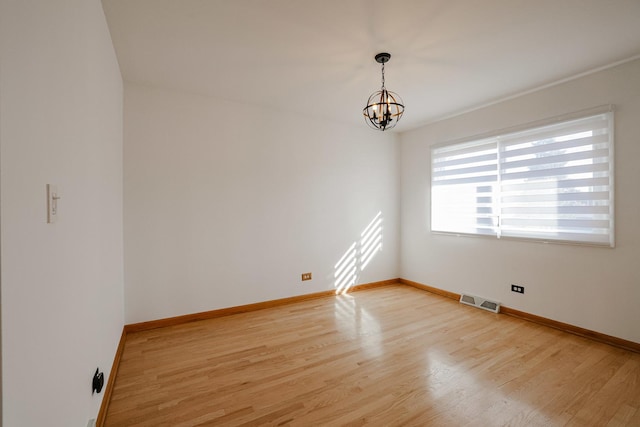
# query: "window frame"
501,135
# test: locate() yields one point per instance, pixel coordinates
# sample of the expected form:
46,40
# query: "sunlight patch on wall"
346,270
371,241
358,256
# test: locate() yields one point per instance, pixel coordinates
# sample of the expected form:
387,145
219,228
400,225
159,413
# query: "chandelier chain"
383,75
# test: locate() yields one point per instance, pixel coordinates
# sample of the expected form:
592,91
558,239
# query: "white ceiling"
316,57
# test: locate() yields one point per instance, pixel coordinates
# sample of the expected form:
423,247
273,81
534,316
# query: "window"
552,182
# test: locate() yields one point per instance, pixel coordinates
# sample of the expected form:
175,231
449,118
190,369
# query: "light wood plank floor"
387,356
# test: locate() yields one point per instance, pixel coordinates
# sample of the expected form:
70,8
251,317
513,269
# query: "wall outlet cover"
517,288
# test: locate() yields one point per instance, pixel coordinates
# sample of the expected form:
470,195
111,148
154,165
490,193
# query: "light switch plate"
52,203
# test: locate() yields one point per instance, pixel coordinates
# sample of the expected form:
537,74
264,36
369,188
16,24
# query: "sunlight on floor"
357,323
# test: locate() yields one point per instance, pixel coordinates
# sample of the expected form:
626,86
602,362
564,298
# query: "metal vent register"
485,304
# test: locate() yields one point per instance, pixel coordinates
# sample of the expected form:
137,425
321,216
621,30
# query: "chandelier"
384,108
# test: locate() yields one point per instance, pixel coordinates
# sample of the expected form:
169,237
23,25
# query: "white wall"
227,204
62,283
594,288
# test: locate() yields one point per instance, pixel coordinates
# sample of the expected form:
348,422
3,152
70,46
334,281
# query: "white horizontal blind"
556,182
464,180
553,183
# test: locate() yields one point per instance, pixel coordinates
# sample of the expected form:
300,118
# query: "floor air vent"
482,303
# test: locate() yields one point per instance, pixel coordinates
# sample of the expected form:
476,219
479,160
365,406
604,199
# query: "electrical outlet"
517,288
306,276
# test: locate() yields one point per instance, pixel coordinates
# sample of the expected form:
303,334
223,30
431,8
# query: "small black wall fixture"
384,108
98,381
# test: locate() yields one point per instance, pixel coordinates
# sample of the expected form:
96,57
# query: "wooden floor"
388,356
